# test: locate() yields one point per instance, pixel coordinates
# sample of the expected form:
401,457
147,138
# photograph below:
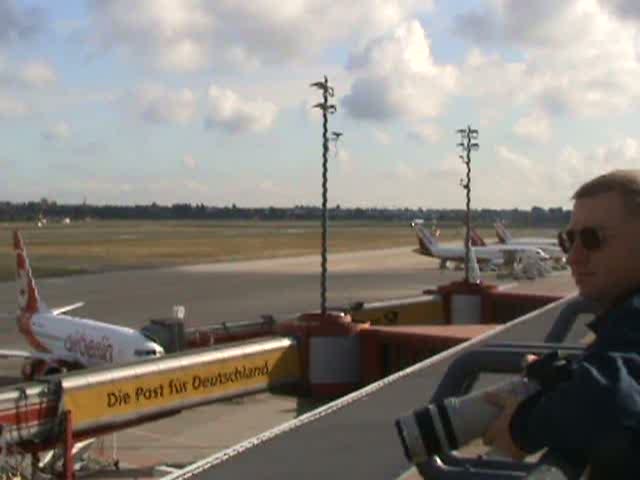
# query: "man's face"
613,269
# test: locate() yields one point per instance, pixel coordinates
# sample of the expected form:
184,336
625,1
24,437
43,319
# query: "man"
592,418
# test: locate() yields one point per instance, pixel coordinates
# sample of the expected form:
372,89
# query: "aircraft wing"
516,248
66,308
27,355
15,354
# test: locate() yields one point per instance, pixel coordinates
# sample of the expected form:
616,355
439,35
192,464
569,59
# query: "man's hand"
498,435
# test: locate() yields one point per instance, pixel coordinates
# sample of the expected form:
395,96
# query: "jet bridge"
354,436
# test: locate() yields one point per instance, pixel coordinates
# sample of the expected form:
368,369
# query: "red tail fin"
425,240
476,239
501,233
28,301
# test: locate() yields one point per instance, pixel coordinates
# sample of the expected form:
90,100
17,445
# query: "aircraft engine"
39,368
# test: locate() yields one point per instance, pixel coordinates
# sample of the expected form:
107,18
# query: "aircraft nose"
154,347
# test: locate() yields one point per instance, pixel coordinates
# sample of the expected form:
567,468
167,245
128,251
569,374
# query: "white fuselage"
538,241
495,254
547,245
489,253
88,342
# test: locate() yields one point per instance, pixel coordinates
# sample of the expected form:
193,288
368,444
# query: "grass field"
100,246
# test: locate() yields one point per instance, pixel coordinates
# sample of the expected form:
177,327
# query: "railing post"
68,470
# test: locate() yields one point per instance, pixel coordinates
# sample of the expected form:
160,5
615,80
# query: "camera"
454,422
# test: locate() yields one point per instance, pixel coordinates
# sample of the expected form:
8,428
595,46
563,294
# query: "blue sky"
208,102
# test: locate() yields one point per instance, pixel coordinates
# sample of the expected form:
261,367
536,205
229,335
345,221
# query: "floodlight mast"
327,109
467,144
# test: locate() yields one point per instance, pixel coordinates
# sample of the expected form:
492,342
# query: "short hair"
625,182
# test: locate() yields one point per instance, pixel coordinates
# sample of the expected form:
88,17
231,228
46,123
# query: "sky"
198,101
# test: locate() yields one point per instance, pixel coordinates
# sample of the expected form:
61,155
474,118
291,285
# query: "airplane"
505,237
547,245
61,342
488,257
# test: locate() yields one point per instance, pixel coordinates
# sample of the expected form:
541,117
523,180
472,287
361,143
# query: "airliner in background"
505,237
61,342
547,245
487,256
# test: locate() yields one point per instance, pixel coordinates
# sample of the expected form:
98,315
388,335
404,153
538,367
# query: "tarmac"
230,292
354,437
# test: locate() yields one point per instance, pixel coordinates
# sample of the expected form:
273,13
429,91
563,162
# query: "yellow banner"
428,312
152,391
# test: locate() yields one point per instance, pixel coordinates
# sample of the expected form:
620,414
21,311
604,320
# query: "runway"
211,294
233,291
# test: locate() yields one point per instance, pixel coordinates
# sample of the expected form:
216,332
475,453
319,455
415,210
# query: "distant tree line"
53,211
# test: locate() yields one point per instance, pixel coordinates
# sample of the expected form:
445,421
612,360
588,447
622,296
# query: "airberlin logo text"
180,386
87,347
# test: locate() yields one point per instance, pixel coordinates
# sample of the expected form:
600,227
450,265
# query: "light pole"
327,109
467,144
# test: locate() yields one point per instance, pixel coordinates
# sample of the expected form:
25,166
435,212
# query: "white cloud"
381,136
268,186
124,190
12,107
189,35
346,163
404,171
514,179
575,58
425,133
168,33
58,132
398,77
234,114
626,9
549,181
499,179
38,74
194,186
308,112
189,162
624,153
517,161
513,21
90,148
34,74
535,127
106,189
577,167
158,104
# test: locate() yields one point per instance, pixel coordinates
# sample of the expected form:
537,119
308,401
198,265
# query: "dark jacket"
580,419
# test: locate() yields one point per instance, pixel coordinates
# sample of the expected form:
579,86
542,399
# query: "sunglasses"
590,239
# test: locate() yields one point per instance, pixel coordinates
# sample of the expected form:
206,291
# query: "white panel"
334,359
466,309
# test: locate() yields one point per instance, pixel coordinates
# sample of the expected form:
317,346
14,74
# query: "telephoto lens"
454,422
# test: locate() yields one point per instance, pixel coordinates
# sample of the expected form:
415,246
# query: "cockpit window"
145,353
149,337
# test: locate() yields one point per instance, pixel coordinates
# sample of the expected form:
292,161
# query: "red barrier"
386,350
329,352
503,306
463,291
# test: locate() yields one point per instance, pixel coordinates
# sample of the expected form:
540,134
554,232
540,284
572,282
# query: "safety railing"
502,358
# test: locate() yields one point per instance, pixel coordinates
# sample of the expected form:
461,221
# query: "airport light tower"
327,109
467,144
